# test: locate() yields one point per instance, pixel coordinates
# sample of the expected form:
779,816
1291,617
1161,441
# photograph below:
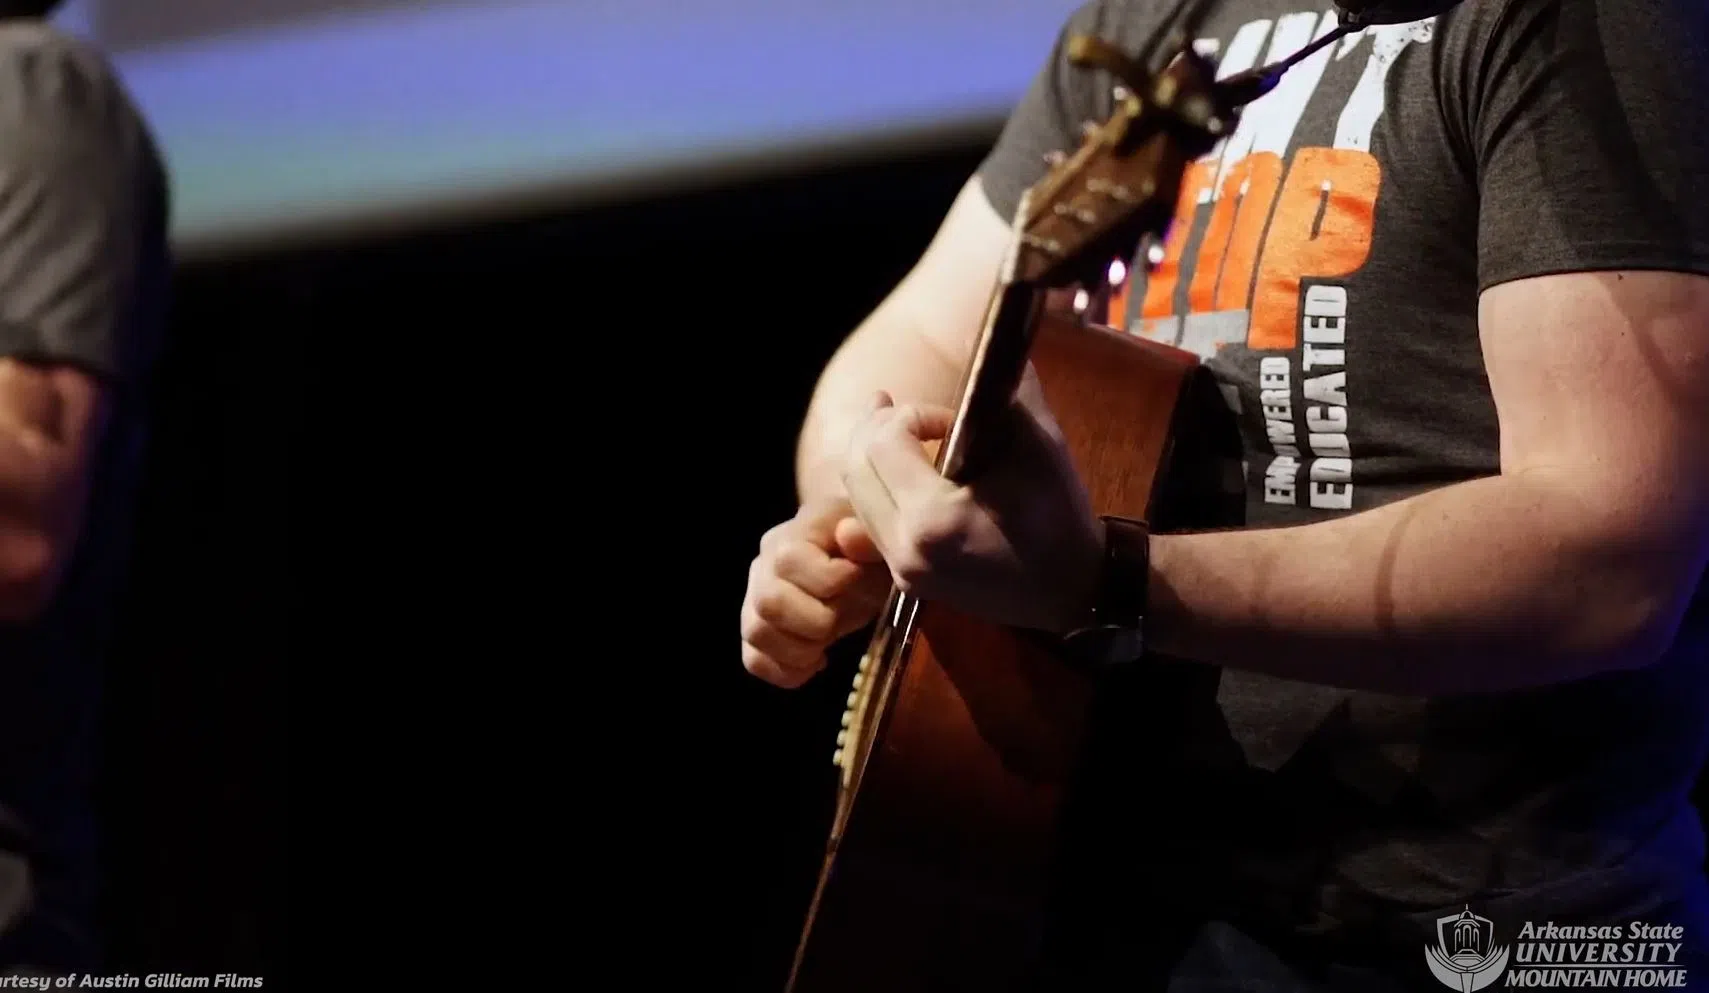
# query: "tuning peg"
1121,93
1055,159
1089,128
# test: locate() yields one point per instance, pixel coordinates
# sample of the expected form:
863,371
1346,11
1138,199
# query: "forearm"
1495,584
885,354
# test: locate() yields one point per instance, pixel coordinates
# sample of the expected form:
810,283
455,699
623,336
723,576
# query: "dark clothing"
83,278
1326,263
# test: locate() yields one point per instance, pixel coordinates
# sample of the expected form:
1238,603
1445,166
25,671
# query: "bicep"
1589,144
1604,378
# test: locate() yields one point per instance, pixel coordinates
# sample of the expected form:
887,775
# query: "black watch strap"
1113,634
1123,587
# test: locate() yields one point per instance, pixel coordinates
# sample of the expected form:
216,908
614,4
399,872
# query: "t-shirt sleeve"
73,210
1589,132
1048,118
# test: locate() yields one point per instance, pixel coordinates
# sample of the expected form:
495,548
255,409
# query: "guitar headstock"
1121,185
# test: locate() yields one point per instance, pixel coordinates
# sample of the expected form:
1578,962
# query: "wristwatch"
1113,634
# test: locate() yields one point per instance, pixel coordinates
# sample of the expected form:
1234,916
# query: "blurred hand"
817,578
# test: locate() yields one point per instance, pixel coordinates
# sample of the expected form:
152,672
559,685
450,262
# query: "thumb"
855,543
818,522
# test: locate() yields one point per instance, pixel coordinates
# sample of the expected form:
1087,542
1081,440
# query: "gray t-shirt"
83,281
1326,263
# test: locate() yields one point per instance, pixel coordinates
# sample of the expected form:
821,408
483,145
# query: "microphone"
1243,88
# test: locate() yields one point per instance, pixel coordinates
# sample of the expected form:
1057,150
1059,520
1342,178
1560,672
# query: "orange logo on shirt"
1264,236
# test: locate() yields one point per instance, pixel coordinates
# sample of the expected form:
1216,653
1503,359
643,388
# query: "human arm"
1581,555
818,576
1583,123
1578,558
74,241
915,344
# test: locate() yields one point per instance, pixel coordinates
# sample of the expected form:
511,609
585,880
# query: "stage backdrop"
284,114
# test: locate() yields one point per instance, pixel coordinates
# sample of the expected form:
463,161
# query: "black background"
194,778
680,336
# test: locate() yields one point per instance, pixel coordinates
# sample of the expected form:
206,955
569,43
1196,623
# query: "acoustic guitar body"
965,745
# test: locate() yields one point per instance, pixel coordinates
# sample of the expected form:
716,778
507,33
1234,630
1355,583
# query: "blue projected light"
351,115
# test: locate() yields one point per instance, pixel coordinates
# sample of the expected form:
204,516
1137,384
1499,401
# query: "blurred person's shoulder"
57,87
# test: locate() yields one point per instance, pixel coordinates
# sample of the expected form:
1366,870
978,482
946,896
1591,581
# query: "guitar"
963,741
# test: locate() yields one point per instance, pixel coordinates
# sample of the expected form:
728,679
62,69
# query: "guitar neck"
999,362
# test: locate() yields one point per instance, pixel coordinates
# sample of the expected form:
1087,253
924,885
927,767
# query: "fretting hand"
1019,546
